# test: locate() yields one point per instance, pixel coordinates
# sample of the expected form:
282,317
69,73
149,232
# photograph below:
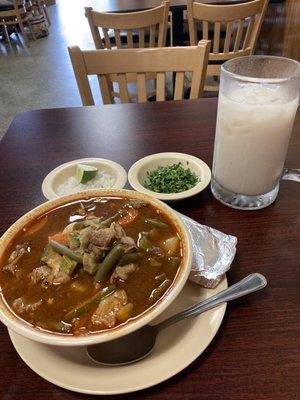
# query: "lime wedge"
85,173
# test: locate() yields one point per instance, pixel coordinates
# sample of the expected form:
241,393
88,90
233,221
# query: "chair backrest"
140,61
240,22
17,7
125,27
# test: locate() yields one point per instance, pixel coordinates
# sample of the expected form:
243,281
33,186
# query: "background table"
138,5
176,6
255,354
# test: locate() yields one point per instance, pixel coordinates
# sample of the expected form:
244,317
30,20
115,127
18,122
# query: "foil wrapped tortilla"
213,253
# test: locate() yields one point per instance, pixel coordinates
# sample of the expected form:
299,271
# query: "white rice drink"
258,101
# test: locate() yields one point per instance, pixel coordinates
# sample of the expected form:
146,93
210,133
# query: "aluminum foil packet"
213,253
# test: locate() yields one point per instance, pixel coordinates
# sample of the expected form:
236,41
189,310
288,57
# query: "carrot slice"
59,237
129,217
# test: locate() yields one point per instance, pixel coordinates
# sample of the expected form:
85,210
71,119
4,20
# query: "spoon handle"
249,284
291,174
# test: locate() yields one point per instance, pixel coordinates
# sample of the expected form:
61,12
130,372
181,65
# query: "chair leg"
171,28
45,12
31,30
7,38
21,25
42,9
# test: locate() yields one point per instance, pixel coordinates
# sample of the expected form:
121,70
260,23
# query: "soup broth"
90,265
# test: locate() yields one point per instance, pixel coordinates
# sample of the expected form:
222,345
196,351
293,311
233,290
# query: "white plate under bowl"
64,171
176,347
137,174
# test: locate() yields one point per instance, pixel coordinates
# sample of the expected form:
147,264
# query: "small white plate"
61,173
137,174
176,347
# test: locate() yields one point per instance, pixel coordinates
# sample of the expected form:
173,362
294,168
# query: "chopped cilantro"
170,179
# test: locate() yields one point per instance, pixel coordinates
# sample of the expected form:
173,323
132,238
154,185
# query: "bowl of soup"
91,267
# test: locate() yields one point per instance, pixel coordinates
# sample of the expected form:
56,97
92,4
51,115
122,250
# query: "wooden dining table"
255,354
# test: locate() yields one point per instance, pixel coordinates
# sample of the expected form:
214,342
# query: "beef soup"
91,265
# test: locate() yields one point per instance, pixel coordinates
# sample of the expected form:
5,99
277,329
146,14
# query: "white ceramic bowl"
137,174
19,326
61,173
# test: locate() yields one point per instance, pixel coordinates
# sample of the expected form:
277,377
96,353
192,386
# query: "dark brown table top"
255,354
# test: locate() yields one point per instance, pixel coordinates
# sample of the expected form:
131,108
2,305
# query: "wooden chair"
128,30
241,25
140,61
41,7
126,27
16,15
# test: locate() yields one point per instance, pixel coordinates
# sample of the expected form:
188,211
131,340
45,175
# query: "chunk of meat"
18,252
84,238
12,268
118,230
20,249
54,262
96,250
107,312
39,274
122,272
156,251
101,237
48,276
120,234
57,278
20,306
129,243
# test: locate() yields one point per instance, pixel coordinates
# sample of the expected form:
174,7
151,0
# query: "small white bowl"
61,173
138,173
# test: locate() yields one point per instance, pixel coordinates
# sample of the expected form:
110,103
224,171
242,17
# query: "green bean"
157,224
65,251
144,243
106,223
93,222
111,259
129,258
160,278
57,326
174,261
158,292
85,306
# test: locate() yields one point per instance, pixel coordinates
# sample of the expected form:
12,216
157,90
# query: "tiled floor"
41,76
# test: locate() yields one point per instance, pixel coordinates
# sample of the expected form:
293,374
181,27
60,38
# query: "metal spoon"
138,344
291,174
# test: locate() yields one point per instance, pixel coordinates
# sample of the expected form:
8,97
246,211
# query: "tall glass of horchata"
258,100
